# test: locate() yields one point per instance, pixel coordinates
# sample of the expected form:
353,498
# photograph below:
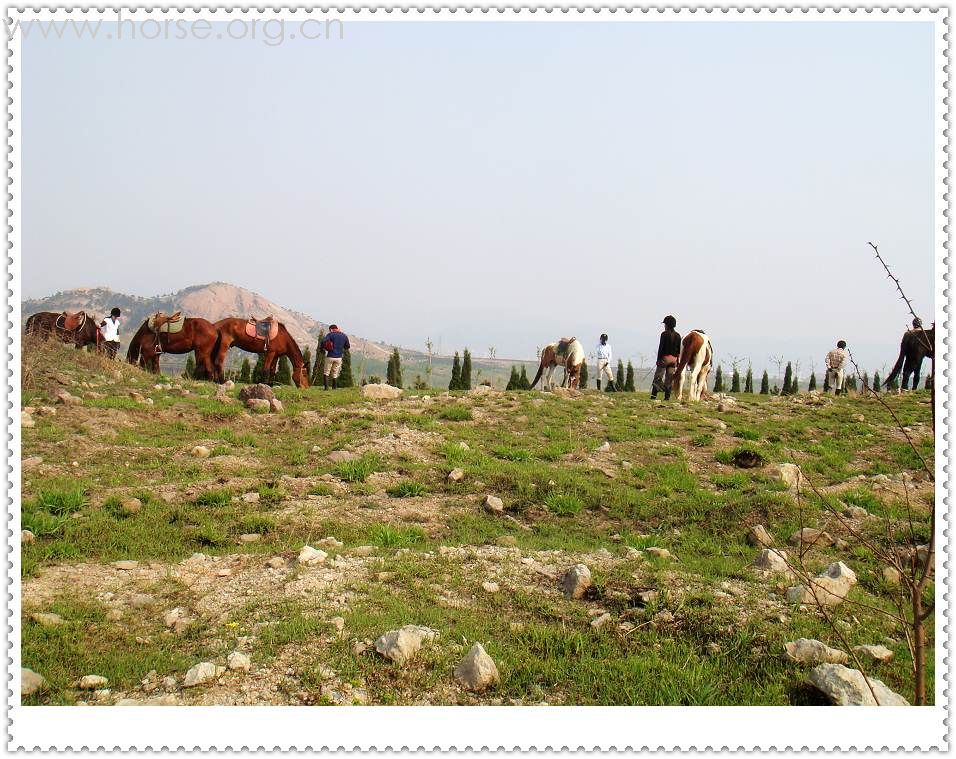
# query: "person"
836,368
604,363
109,328
668,356
335,344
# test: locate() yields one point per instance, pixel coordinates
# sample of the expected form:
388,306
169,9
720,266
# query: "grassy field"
412,546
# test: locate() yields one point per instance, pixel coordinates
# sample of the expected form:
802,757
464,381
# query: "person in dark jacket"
668,354
334,344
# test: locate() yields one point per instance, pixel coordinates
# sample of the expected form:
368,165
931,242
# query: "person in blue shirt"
335,344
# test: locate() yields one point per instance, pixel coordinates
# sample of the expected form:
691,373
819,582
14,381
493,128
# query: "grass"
680,490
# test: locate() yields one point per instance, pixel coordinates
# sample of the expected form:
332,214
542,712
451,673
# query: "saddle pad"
71,322
262,329
169,327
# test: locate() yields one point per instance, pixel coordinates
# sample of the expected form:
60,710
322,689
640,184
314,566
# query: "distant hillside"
213,301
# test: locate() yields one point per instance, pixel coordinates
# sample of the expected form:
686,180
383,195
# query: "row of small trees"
791,383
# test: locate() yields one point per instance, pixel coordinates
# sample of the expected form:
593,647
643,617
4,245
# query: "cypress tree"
284,372
513,379
719,380
877,386
583,379
455,383
345,376
393,371
851,383
735,381
894,384
319,360
787,379
812,385
259,371
245,371
523,382
619,379
749,380
190,371
629,379
765,383
466,371
866,381
795,386
307,362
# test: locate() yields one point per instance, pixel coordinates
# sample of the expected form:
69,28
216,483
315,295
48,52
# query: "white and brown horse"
697,355
567,352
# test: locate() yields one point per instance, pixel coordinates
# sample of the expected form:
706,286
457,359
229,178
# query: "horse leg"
219,360
271,362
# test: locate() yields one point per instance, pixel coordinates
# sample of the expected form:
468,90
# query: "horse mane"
294,348
132,353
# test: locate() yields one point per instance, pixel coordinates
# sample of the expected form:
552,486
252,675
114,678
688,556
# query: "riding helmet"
604,337
670,322
115,312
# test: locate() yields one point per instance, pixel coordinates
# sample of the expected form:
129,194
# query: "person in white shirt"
109,328
604,363
836,368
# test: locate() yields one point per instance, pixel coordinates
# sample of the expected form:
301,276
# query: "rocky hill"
212,301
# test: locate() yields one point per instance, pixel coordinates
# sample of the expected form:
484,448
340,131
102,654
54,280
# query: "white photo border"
459,727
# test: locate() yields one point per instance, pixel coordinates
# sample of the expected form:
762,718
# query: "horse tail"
898,366
133,352
538,375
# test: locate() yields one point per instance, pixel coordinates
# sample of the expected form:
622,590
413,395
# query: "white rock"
600,621
891,575
477,671
46,619
490,587
790,475
31,462
605,446
26,536
331,542
381,392
659,553
200,452
456,475
810,536
338,623
848,687
810,651
30,682
202,673
758,536
310,556
772,560
91,682
494,504
576,581
259,405
126,566
855,512
26,420
276,562
401,645
250,497
880,654
829,588
239,661
275,405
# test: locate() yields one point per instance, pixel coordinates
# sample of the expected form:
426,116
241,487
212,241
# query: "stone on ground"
275,406
829,588
601,620
126,565
855,512
30,462
477,671
576,581
252,497
490,587
810,651
659,553
494,504
338,457
259,392
879,654
26,420
790,475
847,687
891,575
30,682
259,405
67,399
47,619
200,452
758,536
132,506
380,392
26,536
402,644
239,661
456,475
92,682
202,673
310,556
772,560
810,536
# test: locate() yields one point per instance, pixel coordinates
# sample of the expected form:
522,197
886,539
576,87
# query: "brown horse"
232,334
78,328
198,335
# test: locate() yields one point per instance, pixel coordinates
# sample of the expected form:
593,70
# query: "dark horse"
232,333
198,335
916,345
79,328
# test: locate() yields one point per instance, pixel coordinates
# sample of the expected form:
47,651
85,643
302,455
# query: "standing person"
335,344
604,363
836,367
109,328
668,356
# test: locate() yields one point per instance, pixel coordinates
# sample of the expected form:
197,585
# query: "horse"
154,336
697,354
567,352
78,328
916,345
278,342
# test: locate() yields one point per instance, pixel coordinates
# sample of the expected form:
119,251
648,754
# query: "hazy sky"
492,184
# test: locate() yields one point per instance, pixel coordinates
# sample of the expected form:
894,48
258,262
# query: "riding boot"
335,383
599,385
610,387
325,382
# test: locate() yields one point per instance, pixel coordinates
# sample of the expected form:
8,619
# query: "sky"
501,185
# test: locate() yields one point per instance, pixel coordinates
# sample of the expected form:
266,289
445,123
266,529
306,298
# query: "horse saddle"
71,322
563,344
264,329
160,322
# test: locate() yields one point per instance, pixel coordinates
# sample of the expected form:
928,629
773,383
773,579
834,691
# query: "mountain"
213,301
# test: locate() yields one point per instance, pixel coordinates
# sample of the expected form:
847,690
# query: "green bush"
564,504
358,470
456,413
389,536
407,489
216,498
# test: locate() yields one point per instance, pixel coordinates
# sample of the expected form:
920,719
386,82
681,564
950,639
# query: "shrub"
388,536
563,504
456,413
358,470
407,489
257,522
216,498
271,494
